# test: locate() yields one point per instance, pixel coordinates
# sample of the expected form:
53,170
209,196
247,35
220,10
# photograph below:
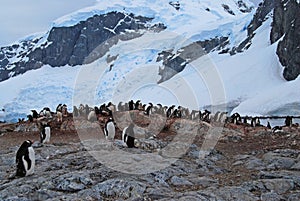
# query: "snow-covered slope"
253,76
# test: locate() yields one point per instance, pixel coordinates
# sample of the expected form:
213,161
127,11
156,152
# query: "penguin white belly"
123,133
32,158
110,131
47,132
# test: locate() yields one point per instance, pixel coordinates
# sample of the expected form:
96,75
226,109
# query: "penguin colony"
25,156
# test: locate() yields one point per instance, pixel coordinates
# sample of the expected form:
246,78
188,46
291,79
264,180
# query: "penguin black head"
110,119
26,144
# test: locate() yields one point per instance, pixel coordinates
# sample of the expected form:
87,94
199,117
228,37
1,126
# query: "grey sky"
20,18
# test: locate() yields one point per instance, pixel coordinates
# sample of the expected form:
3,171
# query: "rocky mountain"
75,45
286,29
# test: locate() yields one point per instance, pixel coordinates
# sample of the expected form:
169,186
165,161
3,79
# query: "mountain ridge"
159,65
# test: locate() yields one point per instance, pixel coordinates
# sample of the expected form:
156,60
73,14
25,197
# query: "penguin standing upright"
45,133
269,125
128,136
35,115
25,159
148,110
109,129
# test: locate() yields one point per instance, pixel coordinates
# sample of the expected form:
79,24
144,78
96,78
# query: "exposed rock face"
261,15
286,24
73,45
174,63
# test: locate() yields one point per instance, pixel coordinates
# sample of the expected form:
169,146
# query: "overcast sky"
20,18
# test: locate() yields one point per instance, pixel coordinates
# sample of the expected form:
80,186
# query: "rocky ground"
245,164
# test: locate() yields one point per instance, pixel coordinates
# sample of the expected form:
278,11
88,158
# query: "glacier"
252,80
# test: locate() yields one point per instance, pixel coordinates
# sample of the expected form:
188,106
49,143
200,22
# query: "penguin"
149,109
137,105
110,108
59,107
45,133
277,129
109,129
30,118
81,110
25,159
223,117
102,109
217,116
268,125
206,116
92,116
59,116
86,110
128,136
193,115
46,112
236,118
255,122
170,111
288,121
179,112
35,115
131,105
75,111
120,106
64,110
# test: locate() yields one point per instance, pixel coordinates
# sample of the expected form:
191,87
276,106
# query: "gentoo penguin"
111,108
59,116
131,105
217,116
128,136
75,111
223,117
268,125
170,111
109,129
25,159
59,107
64,110
255,122
92,116
236,118
45,112
206,116
277,129
45,133
288,121
35,115
137,105
149,108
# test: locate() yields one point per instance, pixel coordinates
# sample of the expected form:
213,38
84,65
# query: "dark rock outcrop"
261,15
82,43
174,63
286,25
